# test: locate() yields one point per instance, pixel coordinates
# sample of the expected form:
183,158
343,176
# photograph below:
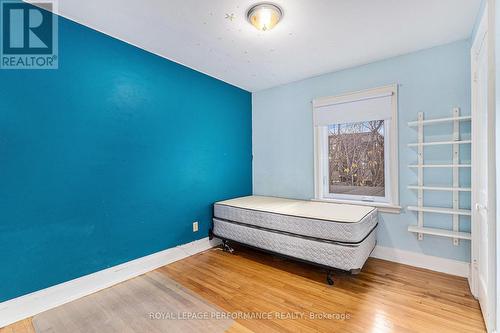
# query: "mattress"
324,221
342,256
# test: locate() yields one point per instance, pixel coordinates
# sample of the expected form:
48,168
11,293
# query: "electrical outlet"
195,226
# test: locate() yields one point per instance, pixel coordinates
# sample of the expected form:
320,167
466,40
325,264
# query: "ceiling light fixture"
264,16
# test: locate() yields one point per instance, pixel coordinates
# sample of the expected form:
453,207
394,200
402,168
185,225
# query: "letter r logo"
26,29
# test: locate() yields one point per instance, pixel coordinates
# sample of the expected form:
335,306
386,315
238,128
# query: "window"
356,147
356,158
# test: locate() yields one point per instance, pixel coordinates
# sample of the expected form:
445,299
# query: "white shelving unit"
440,232
439,188
440,120
455,187
439,166
437,143
438,210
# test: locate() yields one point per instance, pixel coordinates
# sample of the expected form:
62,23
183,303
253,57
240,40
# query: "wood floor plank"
23,326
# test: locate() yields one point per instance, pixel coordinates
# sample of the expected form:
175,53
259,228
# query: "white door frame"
489,304
477,43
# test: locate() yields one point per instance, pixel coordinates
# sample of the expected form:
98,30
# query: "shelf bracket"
456,161
420,173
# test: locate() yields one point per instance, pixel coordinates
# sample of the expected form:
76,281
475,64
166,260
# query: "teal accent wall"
110,158
432,81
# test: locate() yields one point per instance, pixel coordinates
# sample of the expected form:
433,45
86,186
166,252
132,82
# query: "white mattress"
324,221
301,208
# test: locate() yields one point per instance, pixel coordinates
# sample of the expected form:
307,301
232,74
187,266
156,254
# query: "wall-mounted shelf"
439,210
439,166
454,188
440,232
439,121
439,188
439,143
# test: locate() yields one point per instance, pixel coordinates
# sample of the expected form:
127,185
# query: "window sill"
382,207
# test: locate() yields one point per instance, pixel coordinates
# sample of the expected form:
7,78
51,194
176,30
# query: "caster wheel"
226,247
329,278
330,281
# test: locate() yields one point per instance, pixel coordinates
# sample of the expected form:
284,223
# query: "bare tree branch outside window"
356,158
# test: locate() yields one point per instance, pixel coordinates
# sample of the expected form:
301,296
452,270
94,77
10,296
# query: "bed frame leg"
226,247
329,278
355,271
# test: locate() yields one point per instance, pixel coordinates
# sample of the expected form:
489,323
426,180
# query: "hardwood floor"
135,305
23,326
384,297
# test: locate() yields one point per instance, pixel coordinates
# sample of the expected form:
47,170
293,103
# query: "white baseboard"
29,305
438,264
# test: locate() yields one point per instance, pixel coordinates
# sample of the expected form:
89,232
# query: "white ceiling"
314,37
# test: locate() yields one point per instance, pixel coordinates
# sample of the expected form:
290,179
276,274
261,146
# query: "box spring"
344,256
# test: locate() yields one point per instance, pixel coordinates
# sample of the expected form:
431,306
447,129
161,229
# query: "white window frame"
390,202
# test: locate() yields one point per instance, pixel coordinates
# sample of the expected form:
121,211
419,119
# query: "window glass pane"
356,158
